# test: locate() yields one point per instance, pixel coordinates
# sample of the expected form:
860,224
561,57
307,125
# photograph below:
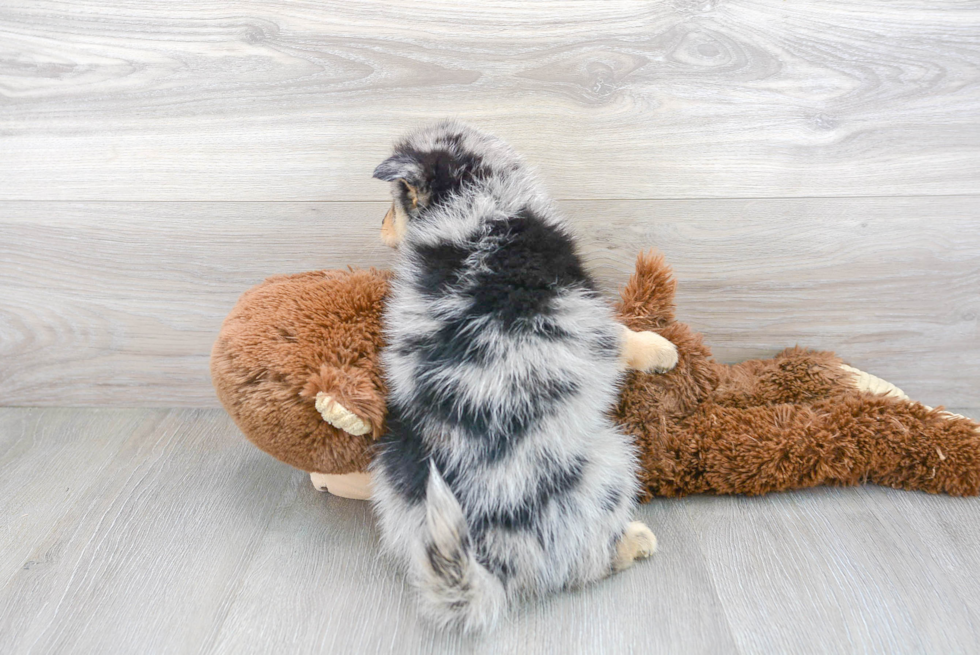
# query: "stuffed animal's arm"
339,416
647,351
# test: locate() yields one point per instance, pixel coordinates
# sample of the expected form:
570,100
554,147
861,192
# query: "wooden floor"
811,169
164,531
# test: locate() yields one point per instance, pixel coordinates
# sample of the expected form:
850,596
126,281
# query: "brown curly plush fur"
764,425
784,423
290,338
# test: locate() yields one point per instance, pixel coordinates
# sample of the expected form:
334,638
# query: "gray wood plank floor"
164,531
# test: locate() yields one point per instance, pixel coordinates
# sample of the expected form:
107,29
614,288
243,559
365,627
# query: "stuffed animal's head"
439,162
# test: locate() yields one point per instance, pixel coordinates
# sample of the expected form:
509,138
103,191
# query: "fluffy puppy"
502,475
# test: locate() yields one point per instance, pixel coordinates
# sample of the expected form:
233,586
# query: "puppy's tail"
457,592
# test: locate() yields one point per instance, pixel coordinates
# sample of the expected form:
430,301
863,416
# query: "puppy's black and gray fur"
502,475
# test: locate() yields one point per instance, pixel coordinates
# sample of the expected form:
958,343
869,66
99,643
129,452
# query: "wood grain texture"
839,571
50,461
119,303
148,548
337,596
174,535
272,100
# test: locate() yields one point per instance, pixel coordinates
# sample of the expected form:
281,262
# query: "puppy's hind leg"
647,351
637,542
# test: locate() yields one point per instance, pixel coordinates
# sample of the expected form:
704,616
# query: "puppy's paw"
649,352
644,541
637,542
340,417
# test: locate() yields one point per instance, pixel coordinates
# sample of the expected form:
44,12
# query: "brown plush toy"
296,366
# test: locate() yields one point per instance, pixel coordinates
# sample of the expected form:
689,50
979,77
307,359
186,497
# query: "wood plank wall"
811,169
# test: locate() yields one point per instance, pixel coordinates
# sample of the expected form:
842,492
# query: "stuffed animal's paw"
340,417
649,352
872,384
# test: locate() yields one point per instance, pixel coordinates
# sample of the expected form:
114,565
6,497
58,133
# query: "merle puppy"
502,476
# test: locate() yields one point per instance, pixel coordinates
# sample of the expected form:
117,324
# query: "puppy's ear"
410,173
400,167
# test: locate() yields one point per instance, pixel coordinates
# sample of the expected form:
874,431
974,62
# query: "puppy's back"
502,366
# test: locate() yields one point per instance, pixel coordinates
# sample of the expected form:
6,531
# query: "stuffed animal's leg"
351,399
647,351
796,376
872,384
846,440
917,447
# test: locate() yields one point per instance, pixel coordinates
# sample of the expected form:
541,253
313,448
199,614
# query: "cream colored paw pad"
649,352
636,543
643,540
348,485
340,417
873,384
